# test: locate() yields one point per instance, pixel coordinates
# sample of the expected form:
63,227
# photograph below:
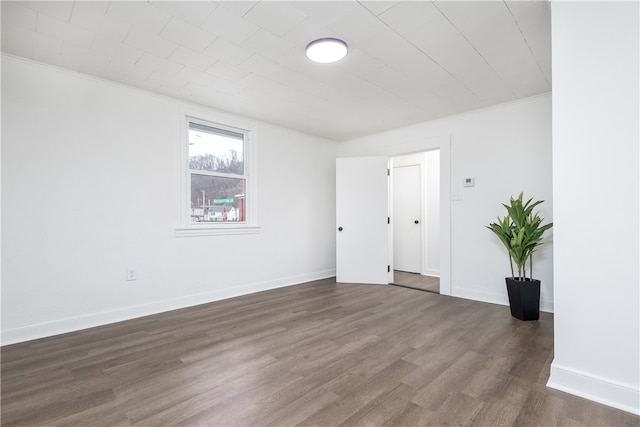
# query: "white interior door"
362,209
407,219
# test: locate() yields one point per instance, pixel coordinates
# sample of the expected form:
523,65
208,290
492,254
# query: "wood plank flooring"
418,281
315,354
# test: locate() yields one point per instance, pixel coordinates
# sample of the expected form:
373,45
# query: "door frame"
442,143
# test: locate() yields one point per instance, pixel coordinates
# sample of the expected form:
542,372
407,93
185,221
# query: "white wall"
595,161
507,149
90,187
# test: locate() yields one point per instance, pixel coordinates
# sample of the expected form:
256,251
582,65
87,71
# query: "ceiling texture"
408,61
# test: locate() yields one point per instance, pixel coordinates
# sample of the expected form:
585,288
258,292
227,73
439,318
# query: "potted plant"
521,233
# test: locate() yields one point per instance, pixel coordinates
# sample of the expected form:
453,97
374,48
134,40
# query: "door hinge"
388,269
388,172
388,220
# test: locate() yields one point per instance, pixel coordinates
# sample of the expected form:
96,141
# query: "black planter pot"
524,298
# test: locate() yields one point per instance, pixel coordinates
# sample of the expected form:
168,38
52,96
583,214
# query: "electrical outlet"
132,274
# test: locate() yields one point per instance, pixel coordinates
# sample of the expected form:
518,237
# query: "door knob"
416,222
339,228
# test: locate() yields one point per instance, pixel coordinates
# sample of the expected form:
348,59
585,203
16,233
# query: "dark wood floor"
418,281
316,354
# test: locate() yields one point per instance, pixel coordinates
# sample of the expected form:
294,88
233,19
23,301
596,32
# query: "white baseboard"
41,330
599,390
432,273
501,299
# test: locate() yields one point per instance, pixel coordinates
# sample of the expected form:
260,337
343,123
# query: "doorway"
415,209
362,248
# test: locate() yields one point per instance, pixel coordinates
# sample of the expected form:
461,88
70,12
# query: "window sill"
220,230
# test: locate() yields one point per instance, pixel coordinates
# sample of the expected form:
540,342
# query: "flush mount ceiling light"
326,50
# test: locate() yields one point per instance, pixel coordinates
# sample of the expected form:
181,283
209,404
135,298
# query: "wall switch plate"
469,182
456,195
132,274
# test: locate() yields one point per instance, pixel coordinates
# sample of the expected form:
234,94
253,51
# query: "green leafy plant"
521,233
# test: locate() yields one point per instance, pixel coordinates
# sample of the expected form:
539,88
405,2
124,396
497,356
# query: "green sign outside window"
222,201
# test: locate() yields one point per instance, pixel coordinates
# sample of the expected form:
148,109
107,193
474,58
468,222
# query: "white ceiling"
408,61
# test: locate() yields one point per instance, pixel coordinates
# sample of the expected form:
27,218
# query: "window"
218,196
216,170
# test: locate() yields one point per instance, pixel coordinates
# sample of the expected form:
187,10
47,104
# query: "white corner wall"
432,212
596,120
90,187
507,149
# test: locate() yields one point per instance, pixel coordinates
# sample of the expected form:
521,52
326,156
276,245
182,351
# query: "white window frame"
186,227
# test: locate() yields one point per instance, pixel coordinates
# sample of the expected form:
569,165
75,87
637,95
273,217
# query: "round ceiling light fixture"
326,50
